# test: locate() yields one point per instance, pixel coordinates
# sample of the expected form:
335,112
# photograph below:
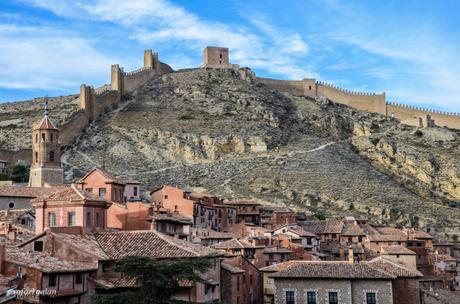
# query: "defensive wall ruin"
365,101
94,102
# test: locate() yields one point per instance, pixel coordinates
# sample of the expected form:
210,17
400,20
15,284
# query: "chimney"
11,235
350,255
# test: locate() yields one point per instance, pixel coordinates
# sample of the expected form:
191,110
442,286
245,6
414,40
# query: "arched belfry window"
36,157
52,156
43,136
36,138
51,136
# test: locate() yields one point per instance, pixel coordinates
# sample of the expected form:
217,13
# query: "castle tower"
46,153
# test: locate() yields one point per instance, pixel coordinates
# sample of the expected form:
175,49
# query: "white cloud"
47,59
154,21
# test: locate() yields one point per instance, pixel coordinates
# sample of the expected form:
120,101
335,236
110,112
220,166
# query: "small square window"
333,298
38,246
52,280
371,298
311,297
78,278
290,297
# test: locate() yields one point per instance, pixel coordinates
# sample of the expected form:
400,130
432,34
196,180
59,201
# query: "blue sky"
409,49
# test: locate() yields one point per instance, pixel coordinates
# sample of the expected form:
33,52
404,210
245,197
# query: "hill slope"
221,131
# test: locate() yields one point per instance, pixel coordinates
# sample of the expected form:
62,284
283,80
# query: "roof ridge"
383,259
169,240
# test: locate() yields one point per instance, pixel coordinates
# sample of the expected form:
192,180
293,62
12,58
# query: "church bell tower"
46,153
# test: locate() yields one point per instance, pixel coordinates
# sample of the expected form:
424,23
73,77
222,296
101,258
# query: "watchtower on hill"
46,153
216,56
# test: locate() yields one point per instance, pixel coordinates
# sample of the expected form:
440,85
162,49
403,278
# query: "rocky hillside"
221,131
16,119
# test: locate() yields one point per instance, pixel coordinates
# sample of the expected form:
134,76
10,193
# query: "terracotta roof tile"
205,233
396,269
280,266
231,268
118,244
31,192
352,230
397,249
332,270
233,244
73,193
45,124
45,262
331,226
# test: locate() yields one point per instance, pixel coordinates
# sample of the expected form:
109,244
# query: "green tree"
4,177
158,280
20,172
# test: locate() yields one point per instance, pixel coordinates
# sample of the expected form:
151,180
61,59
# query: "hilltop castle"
94,102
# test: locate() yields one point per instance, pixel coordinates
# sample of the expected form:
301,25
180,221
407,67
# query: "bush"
4,177
20,172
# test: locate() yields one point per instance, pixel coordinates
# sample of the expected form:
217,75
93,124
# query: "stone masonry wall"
370,102
362,101
349,291
410,115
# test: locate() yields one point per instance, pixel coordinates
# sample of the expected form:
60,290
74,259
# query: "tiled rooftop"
32,192
233,244
205,233
171,217
109,176
118,244
332,270
72,193
397,249
352,230
45,262
396,269
231,268
331,226
44,124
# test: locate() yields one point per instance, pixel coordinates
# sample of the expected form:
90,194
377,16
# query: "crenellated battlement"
322,83
427,110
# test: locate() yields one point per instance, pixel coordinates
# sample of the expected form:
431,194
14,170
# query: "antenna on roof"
46,106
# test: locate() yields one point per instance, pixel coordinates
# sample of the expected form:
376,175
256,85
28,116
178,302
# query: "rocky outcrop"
426,160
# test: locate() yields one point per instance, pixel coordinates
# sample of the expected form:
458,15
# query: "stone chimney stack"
350,255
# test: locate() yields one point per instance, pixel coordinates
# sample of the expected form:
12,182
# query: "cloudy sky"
409,49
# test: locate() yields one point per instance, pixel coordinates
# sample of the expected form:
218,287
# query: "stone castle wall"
94,102
410,115
370,102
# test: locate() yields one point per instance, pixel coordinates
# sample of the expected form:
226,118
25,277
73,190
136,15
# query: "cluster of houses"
66,238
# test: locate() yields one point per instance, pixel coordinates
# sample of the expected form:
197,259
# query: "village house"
132,190
20,197
446,268
298,235
207,211
172,224
71,207
53,260
241,281
329,233
399,254
104,185
341,281
276,254
271,216
246,211
209,237
30,268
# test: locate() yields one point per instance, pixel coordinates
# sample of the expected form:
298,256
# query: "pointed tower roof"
45,123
